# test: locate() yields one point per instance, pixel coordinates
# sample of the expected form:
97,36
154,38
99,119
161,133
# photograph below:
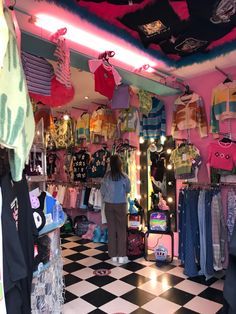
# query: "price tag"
184,157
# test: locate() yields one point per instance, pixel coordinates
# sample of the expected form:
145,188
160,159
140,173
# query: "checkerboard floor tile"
138,287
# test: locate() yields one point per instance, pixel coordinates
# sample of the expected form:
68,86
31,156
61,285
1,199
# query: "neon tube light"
89,40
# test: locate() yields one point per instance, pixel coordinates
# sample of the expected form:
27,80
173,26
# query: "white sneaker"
123,260
114,259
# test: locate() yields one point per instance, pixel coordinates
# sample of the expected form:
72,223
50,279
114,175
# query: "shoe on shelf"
123,260
114,259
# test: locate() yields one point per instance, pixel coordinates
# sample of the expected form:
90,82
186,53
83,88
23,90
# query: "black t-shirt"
117,2
220,12
198,35
14,265
154,23
80,165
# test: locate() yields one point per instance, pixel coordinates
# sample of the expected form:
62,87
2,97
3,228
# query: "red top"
104,81
222,155
106,77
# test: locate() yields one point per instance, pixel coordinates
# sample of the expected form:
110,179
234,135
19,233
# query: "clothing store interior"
118,175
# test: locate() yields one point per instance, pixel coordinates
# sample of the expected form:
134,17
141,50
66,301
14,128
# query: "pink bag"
121,97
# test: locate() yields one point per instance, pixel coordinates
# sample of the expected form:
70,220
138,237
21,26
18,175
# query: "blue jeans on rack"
209,243
181,224
192,242
205,229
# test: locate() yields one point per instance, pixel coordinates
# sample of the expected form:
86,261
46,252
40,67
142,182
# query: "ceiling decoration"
179,32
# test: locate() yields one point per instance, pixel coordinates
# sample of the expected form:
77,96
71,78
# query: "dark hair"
116,168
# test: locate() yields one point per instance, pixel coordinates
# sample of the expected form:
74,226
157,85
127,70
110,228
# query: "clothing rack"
200,184
74,184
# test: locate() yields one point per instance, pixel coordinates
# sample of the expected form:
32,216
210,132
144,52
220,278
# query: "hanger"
227,80
12,6
225,140
187,91
184,143
106,55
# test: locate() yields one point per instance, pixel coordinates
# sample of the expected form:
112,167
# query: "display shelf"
47,294
49,228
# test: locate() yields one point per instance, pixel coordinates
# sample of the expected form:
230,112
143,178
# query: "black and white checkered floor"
138,287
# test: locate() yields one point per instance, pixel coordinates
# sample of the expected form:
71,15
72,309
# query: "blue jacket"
115,192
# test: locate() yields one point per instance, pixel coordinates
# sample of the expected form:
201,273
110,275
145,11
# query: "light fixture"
88,39
141,140
86,97
169,167
139,182
170,200
152,140
138,153
168,151
66,117
169,183
138,167
162,139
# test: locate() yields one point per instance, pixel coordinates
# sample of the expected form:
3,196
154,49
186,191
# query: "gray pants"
116,215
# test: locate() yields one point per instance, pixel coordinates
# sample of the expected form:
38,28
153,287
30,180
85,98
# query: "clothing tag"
184,157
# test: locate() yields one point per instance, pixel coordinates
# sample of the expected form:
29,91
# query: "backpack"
81,225
68,226
135,244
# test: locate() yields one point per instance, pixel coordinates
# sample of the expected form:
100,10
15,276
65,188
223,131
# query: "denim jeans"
192,242
209,244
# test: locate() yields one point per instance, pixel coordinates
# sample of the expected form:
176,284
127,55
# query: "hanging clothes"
83,128
64,133
2,296
128,120
231,218
219,232
223,104
4,35
79,165
183,158
132,174
17,126
103,124
154,125
202,231
38,73
145,102
99,163
189,113
222,155
62,53
106,77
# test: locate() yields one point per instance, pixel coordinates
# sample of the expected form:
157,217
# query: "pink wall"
203,86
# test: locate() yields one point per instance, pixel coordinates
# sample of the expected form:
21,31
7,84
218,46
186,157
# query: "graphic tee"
105,76
154,22
2,297
80,163
99,163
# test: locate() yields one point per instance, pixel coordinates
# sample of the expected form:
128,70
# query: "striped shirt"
154,125
62,53
38,72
